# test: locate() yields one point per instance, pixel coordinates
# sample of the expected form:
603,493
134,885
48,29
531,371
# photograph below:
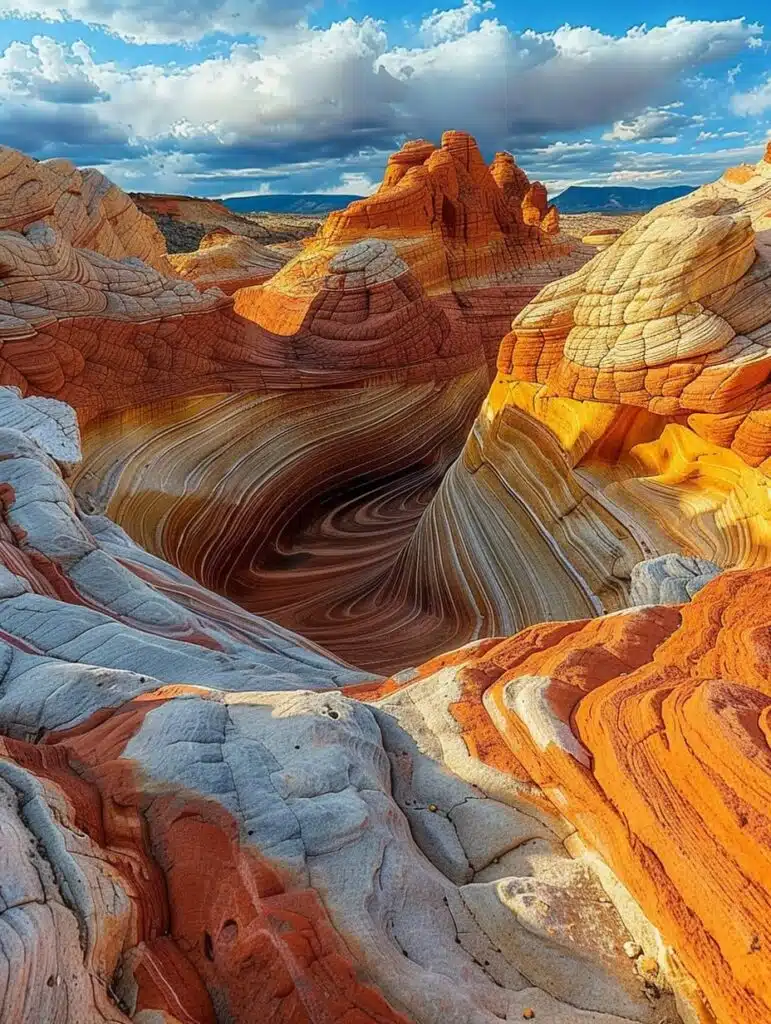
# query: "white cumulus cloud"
755,102
164,21
332,101
440,26
662,125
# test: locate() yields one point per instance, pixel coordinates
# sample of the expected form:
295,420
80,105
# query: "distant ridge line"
617,199
289,203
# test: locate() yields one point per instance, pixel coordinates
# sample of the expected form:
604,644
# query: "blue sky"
221,97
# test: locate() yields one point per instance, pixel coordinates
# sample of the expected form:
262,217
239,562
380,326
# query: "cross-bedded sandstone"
199,825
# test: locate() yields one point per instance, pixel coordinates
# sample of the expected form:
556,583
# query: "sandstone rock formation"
229,261
208,817
92,311
407,324
649,730
457,223
88,210
602,237
670,579
629,418
198,825
536,209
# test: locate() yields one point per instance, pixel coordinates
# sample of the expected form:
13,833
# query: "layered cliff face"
93,312
629,418
648,729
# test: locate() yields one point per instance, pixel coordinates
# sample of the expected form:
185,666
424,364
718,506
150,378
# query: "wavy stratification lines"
317,510
198,825
553,501
457,223
650,729
513,538
296,504
90,211
228,260
682,493
674,317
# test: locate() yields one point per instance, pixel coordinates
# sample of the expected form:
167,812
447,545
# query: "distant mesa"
296,203
617,199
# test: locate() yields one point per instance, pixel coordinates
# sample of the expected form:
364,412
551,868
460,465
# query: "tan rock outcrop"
88,210
228,261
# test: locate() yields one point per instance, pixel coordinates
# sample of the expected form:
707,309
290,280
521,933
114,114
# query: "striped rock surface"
229,261
93,313
208,817
649,730
203,821
342,422
455,221
89,211
628,420
553,500
675,318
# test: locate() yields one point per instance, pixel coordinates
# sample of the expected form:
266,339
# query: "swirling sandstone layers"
649,730
629,418
297,503
201,826
198,825
109,332
294,505
88,210
554,498
113,336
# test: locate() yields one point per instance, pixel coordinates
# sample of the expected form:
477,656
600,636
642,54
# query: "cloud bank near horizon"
317,109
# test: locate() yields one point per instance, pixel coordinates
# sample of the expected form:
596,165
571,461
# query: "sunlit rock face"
629,419
212,815
648,729
457,223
